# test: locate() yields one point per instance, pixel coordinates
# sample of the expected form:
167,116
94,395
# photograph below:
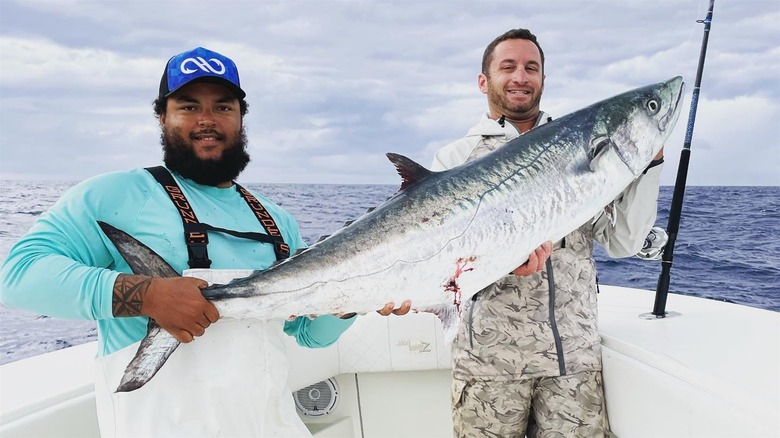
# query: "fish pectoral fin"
599,145
410,171
450,320
154,350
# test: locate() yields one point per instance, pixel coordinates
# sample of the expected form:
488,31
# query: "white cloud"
334,85
44,66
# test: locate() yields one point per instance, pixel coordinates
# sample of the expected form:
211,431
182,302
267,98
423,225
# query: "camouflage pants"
567,406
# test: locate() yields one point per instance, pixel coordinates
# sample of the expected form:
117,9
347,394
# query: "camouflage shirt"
520,326
526,327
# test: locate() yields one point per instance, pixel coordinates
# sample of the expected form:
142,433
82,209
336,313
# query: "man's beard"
511,110
180,157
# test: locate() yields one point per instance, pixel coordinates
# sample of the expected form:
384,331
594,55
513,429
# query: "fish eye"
653,106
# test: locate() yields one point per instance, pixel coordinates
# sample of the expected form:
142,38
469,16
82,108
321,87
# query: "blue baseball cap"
200,65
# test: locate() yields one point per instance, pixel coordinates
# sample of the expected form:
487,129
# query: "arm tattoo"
129,291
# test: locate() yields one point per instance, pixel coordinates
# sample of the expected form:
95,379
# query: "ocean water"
727,249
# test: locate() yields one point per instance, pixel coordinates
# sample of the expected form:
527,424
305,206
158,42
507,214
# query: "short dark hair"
160,106
514,34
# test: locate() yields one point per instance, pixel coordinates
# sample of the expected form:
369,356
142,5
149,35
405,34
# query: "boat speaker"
318,399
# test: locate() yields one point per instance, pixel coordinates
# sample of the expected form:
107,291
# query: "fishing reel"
655,242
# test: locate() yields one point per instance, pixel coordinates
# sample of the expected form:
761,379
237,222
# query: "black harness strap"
196,233
281,249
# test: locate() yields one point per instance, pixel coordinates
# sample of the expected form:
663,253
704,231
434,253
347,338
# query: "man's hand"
389,308
176,304
536,261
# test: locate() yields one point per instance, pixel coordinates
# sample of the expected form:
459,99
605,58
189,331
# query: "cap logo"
199,64
202,64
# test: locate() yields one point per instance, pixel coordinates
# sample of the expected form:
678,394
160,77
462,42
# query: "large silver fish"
445,235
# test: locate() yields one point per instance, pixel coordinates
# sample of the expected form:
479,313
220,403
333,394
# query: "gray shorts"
566,406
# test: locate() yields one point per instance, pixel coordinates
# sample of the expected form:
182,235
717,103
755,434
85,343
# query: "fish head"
634,125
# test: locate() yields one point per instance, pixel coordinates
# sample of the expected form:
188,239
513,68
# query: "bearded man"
232,381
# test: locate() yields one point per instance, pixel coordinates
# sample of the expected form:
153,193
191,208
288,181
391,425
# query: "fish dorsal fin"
410,171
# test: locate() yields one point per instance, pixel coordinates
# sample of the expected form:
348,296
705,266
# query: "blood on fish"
452,283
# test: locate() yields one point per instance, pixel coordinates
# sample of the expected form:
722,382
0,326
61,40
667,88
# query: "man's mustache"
207,133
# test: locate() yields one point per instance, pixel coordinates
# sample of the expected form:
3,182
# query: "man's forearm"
129,291
635,212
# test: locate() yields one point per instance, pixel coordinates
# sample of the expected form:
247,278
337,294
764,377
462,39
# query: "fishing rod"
673,226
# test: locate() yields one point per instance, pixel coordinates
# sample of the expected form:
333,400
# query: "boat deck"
711,370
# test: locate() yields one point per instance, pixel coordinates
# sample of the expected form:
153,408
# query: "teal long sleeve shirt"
66,267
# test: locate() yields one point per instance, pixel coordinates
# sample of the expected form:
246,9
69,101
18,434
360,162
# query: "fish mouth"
680,93
674,110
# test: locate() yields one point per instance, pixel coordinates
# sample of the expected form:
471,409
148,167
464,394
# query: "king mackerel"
449,233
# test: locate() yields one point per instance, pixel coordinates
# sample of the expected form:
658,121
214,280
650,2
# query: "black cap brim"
164,92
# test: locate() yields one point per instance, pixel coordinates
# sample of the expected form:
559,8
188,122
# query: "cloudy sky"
334,85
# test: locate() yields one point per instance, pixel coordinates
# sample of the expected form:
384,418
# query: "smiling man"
232,380
203,137
529,350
